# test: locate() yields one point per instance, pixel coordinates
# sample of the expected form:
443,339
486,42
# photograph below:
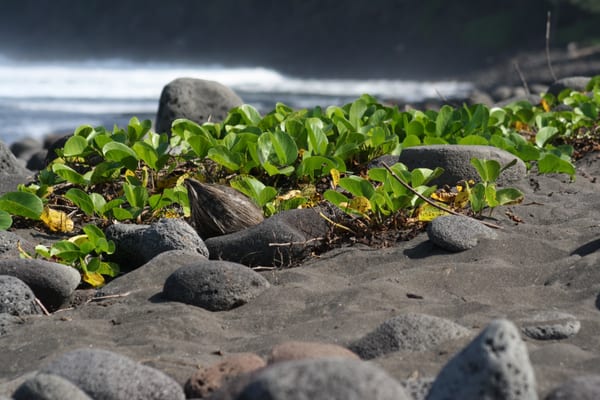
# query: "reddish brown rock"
293,350
206,381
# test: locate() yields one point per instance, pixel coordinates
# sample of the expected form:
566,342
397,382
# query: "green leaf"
5,220
66,251
509,196
477,197
81,199
544,135
443,120
488,170
93,233
115,151
319,166
248,185
411,140
335,197
99,202
69,174
357,110
222,155
23,204
285,147
490,196
121,214
551,163
473,140
147,153
317,140
75,146
137,196
357,186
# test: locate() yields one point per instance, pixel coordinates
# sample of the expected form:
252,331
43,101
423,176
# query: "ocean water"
41,98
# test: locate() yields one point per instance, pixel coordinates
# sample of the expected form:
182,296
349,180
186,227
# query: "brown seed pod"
218,209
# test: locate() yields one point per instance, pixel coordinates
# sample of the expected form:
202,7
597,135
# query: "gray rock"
323,379
550,325
52,283
9,165
495,365
27,145
277,241
531,98
214,285
408,332
49,387
8,322
577,83
37,161
417,388
152,274
12,171
106,375
585,387
456,162
458,233
138,244
16,298
194,99
9,245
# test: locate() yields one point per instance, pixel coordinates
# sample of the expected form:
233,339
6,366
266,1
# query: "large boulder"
195,99
456,162
12,171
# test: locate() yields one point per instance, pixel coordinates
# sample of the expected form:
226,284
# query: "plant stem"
430,202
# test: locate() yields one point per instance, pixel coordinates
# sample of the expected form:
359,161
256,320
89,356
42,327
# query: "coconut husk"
217,209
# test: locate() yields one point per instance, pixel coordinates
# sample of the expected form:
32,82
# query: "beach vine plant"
290,158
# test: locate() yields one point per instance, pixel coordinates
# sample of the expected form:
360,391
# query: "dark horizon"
381,38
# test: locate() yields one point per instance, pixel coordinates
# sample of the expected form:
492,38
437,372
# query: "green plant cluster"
136,175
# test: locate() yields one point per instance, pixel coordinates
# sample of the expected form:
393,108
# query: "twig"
525,85
445,99
432,203
295,243
336,224
548,25
263,268
108,296
39,303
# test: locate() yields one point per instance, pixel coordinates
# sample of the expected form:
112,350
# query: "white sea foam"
59,95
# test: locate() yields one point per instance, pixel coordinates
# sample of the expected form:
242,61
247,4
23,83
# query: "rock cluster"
170,267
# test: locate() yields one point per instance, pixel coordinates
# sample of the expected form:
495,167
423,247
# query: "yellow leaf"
521,126
78,239
461,199
444,197
360,204
93,278
545,105
427,213
289,195
56,221
335,177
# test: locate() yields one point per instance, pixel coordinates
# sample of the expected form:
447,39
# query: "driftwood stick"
39,303
523,81
431,202
548,25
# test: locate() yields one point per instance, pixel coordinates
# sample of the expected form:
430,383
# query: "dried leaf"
93,278
360,204
56,221
545,105
335,177
289,195
427,213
